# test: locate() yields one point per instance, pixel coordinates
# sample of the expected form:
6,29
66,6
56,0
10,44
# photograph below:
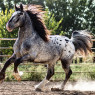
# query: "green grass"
40,72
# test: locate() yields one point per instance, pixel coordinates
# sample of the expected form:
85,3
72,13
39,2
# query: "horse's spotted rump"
69,51
66,40
65,43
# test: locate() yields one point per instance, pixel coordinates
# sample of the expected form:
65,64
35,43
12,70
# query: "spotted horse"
36,45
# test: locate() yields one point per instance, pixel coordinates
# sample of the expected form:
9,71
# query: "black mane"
38,25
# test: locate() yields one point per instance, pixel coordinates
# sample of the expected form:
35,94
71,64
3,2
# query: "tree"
52,24
76,14
4,17
9,4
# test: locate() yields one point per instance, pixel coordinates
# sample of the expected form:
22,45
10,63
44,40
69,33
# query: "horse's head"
17,19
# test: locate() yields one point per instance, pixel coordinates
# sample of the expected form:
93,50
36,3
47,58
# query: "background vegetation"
76,14
62,17
37,73
4,17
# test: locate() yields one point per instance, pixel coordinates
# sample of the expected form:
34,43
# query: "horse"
34,44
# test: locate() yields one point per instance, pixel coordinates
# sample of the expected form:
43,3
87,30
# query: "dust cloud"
81,85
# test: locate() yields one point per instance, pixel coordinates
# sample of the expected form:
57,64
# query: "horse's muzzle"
8,28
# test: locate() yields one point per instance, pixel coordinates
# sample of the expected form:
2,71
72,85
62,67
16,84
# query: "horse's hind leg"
67,69
50,73
68,72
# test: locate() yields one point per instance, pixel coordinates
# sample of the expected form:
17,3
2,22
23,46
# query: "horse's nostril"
8,28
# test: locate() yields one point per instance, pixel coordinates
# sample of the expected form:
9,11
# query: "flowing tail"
82,41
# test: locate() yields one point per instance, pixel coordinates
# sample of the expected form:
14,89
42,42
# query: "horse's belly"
45,57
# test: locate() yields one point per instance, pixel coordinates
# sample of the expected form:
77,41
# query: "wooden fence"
12,47
25,64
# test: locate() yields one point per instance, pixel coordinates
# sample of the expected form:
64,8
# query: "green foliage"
33,72
62,16
37,73
92,75
9,4
52,24
4,17
76,14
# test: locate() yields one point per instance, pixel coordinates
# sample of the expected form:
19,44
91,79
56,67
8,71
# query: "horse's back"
64,45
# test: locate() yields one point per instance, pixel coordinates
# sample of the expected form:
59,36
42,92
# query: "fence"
1,48
12,48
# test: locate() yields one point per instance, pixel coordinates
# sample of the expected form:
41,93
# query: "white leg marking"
42,84
17,76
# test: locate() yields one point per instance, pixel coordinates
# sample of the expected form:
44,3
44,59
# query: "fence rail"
8,38
46,72
1,48
16,38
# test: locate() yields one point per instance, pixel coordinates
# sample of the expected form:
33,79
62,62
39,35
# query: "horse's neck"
26,31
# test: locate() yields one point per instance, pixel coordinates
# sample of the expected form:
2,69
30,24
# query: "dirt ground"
27,88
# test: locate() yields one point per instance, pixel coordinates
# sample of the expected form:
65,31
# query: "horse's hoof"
38,89
2,77
17,76
56,89
1,81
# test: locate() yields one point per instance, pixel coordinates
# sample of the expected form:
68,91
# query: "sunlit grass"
38,72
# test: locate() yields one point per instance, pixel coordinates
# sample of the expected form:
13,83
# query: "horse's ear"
16,8
21,7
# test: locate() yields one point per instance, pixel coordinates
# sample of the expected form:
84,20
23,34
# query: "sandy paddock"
27,88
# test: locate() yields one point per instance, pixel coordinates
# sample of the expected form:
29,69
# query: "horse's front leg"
50,73
8,62
16,64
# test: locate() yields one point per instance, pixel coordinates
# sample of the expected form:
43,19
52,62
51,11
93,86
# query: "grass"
39,72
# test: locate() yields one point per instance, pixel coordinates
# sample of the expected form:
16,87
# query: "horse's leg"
68,71
16,64
8,62
50,73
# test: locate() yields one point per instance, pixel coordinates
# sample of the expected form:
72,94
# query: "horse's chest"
21,49
25,48
16,49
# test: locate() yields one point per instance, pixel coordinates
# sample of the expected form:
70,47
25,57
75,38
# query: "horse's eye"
20,14
17,20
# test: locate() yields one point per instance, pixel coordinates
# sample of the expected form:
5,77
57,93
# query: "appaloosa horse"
35,45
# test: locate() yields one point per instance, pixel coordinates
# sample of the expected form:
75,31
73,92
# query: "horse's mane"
35,14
